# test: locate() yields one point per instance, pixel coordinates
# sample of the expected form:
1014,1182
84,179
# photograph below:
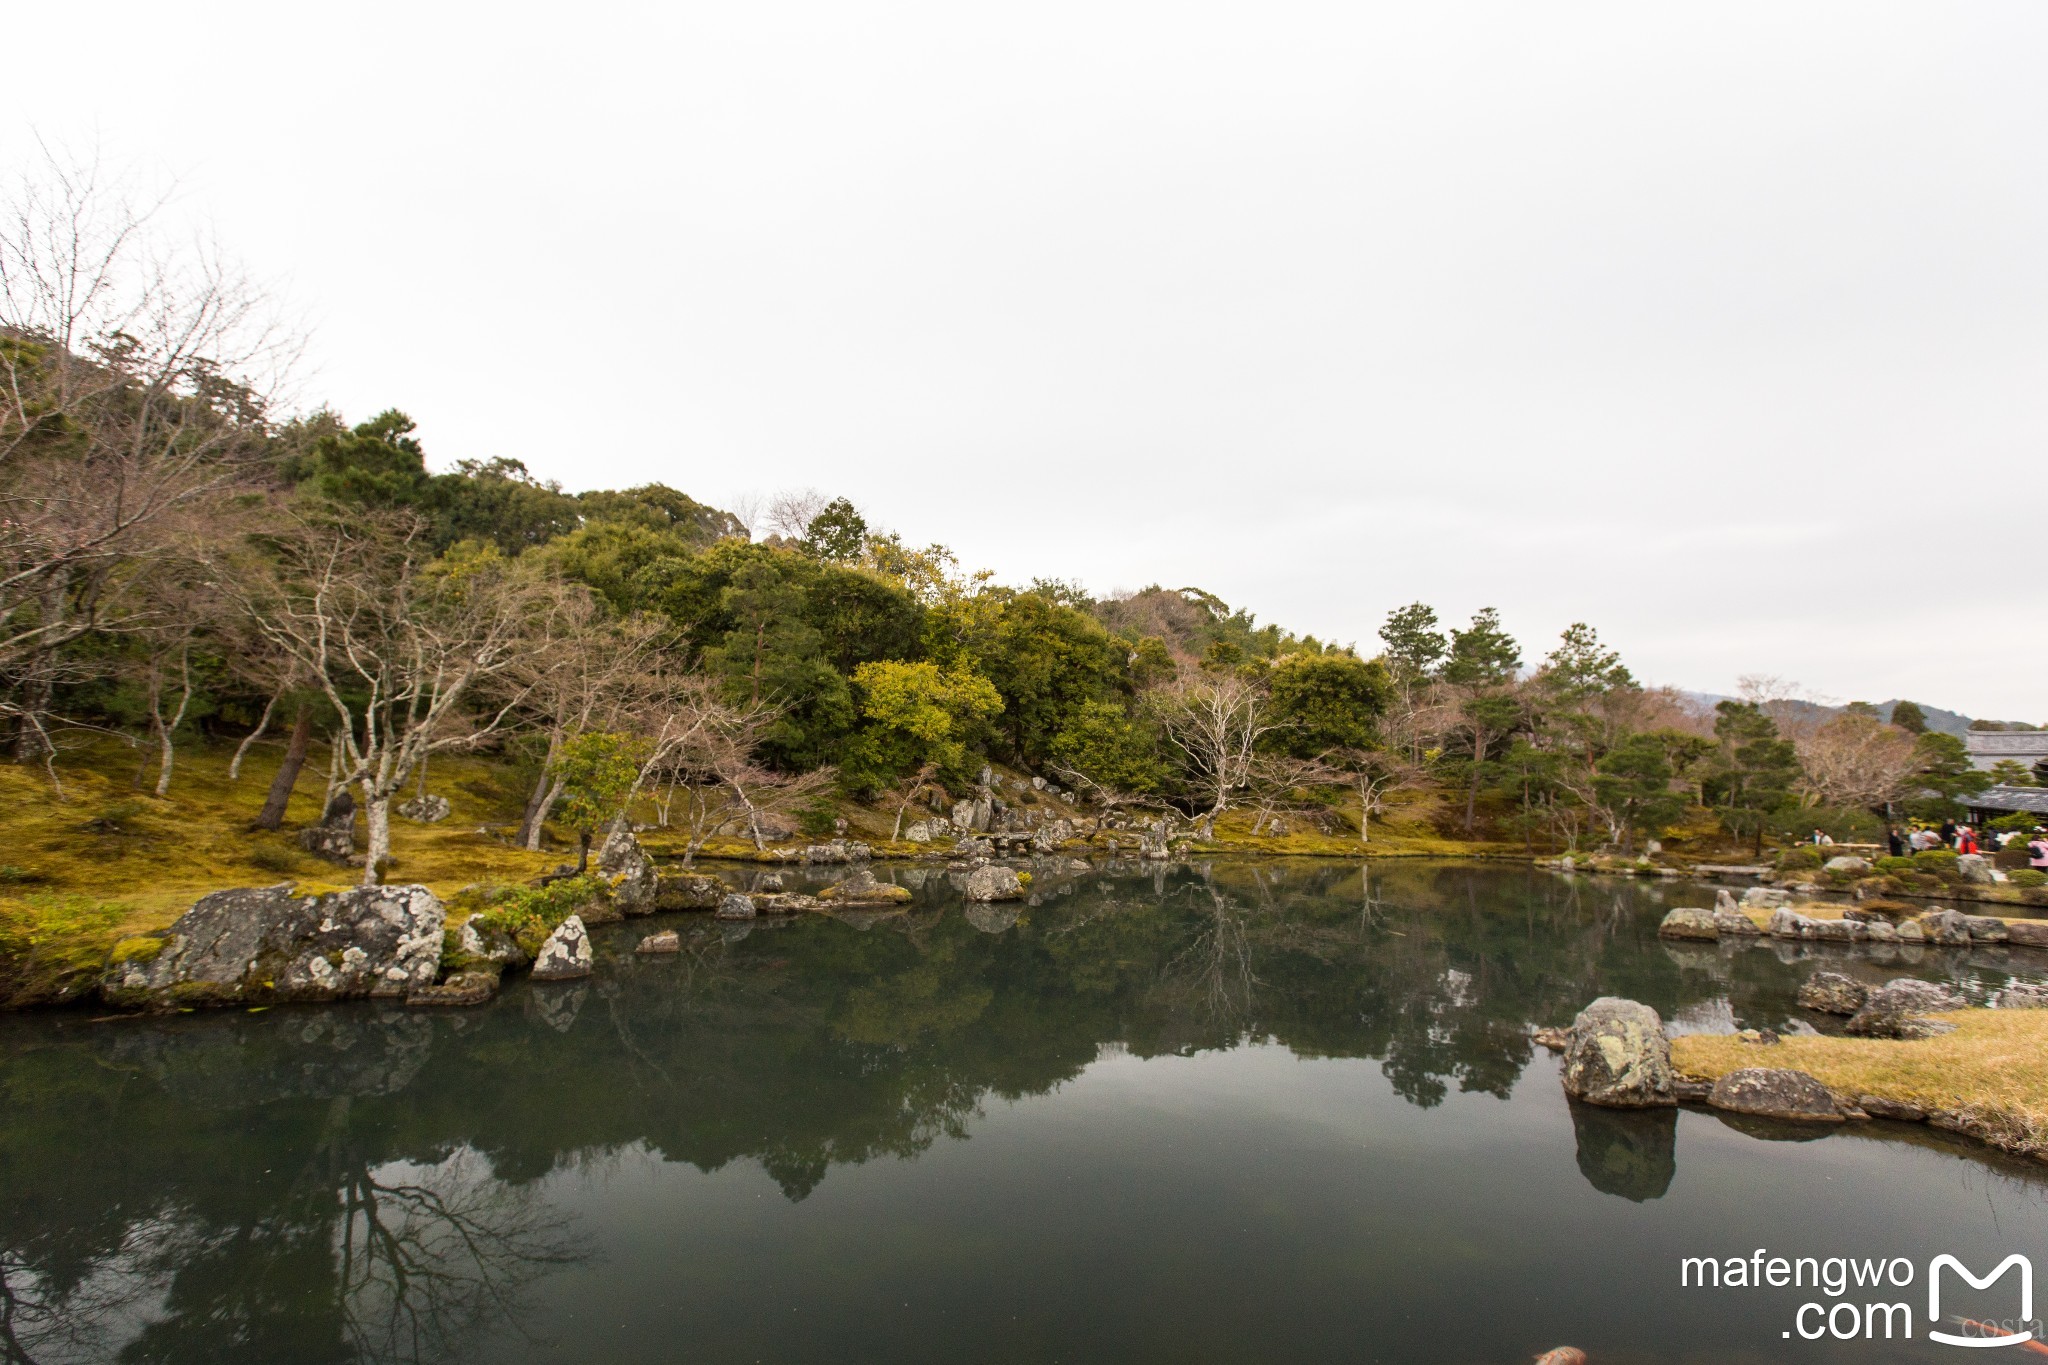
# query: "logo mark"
2026,1299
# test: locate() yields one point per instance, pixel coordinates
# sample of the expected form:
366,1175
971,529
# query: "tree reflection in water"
369,1184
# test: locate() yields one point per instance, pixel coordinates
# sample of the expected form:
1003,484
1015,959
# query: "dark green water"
1237,1113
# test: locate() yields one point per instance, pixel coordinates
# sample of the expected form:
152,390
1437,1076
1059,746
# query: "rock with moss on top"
861,888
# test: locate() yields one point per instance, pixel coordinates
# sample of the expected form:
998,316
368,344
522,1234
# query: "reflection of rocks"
1767,1129
1630,1154
992,919
864,920
267,945
1776,1093
1618,1056
229,1062
558,1009
734,930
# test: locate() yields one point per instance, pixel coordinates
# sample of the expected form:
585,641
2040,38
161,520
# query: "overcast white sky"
1724,328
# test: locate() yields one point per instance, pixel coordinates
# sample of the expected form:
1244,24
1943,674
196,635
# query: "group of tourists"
1965,839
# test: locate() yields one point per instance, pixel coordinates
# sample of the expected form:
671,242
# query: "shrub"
272,858
529,914
818,818
2028,876
1797,859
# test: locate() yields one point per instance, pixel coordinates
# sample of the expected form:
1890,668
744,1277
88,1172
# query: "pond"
1228,1112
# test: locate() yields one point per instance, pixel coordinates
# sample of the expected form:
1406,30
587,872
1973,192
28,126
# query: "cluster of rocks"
426,810
1897,1009
1858,924
1616,1056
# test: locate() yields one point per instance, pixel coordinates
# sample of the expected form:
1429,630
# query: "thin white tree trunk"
377,819
242,749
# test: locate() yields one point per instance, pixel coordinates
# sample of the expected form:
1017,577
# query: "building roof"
2007,743
2033,800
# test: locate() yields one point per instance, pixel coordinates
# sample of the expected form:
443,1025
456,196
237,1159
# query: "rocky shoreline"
1617,1055
272,945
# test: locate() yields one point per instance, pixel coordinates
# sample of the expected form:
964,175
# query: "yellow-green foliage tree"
914,714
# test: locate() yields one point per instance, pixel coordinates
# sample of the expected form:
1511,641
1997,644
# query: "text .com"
1877,1311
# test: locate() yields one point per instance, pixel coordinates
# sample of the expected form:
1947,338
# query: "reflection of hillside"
377,1167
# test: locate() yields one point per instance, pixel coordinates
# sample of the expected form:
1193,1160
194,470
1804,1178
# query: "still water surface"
1272,1112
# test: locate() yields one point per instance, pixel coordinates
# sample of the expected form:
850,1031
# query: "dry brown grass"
1995,1064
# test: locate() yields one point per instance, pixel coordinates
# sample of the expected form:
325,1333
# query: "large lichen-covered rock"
629,872
1833,993
1846,863
1771,1092
688,891
736,906
1770,897
1690,922
992,883
266,945
566,954
1618,1056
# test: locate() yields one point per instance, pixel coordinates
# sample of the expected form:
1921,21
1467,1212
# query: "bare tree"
1212,723
923,782
397,643
1855,760
1371,775
710,751
134,383
791,512
587,675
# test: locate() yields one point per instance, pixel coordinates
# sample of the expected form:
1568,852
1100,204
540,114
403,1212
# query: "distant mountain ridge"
1938,720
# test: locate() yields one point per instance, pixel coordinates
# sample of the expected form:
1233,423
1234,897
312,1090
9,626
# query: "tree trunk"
377,819
242,749
39,686
272,814
165,730
537,806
